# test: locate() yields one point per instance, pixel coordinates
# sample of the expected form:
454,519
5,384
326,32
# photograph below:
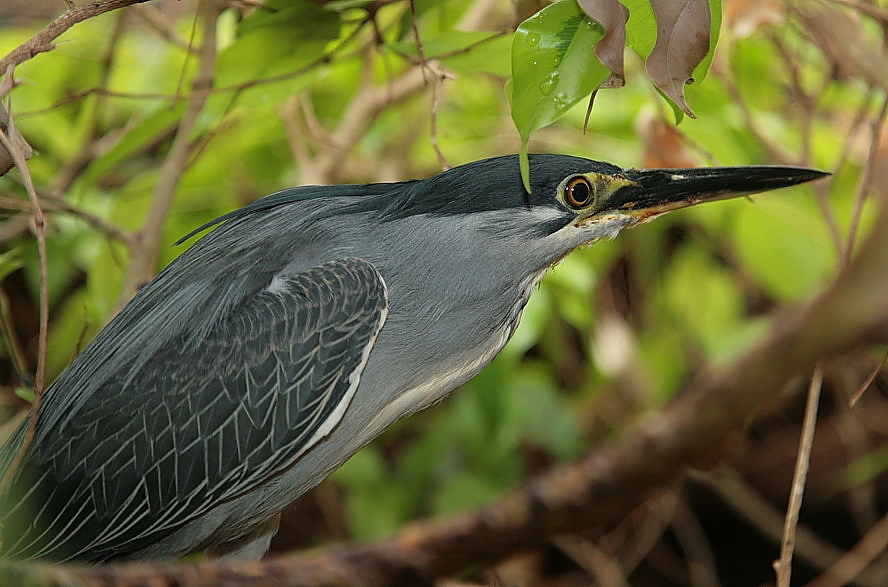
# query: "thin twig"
866,8
90,136
43,40
420,51
783,566
820,188
437,79
173,98
156,21
767,519
189,51
54,204
312,124
774,151
238,87
365,106
639,533
16,354
369,101
855,561
40,234
855,397
144,255
597,563
802,103
455,52
437,82
697,552
863,187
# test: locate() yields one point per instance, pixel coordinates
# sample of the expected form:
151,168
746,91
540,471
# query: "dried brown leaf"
682,43
747,17
662,142
612,17
839,35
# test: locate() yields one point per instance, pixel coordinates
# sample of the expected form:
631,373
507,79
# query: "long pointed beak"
646,193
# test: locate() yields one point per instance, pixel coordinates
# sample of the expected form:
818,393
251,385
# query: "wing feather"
198,425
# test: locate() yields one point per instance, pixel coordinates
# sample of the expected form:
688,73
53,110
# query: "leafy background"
341,91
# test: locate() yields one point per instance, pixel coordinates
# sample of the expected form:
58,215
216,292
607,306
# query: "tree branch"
19,157
43,40
144,253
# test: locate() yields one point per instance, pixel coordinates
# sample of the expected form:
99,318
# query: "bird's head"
482,210
574,201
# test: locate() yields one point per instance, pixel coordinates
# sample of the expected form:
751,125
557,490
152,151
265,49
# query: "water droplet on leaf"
560,101
549,82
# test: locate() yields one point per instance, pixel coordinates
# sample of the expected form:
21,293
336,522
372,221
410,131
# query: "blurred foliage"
327,92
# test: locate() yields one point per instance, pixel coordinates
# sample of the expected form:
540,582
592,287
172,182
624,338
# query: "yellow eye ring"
578,192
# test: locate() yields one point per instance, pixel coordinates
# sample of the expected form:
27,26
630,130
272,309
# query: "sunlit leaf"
715,16
282,37
641,28
461,50
25,393
783,247
704,299
139,135
341,5
553,66
419,8
464,491
10,261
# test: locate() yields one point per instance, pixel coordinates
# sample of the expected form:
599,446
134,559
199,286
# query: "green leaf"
463,51
553,65
442,45
281,37
533,321
784,247
641,28
573,284
524,165
861,470
142,132
543,415
342,5
10,261
704,299
25,393
715,13
464,491
71,329
420,8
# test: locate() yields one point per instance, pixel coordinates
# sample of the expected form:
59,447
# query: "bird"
293,333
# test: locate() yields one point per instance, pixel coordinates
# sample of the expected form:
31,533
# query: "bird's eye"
577,192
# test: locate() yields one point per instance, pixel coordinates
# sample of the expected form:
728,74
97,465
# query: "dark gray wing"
195,427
